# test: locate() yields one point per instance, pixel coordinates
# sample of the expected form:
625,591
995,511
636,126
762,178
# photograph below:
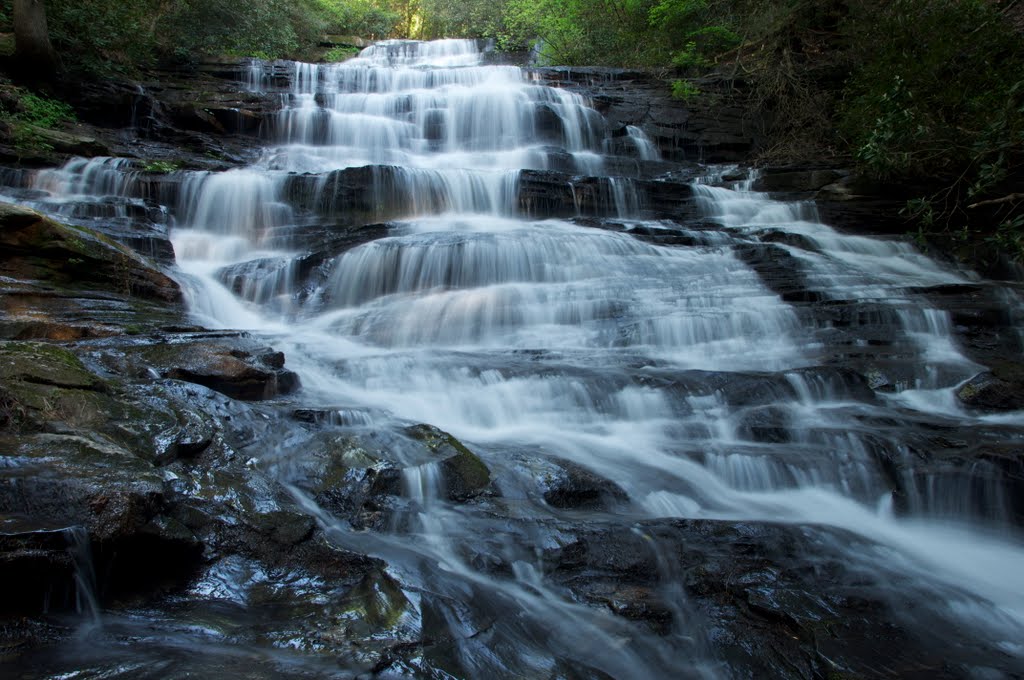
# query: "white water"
586,345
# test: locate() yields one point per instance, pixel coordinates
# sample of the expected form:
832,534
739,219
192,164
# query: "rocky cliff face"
716,127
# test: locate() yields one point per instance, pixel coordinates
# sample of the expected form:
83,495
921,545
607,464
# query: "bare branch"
1009,198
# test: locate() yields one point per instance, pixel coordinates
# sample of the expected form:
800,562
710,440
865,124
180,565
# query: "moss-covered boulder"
42,384
465,475
1001,389
34,247
72,480
63,283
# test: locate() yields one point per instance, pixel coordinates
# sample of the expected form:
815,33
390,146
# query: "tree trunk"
33,51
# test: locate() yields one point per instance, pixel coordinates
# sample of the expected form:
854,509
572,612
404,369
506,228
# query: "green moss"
465,474
468,469
31,117
968,392
161,167
377,601
43,363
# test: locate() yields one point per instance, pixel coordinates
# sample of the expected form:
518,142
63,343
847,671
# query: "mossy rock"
45,364
465,475
34,247
377,603
328,459
45,387
76,480
42,384
1002,389
69,143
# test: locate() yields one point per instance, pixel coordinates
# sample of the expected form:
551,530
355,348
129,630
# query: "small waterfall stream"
678,373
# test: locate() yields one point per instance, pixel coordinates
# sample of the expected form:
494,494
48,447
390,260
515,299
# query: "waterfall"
724,375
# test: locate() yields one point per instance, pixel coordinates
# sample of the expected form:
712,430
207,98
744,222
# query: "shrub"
684,90
939,96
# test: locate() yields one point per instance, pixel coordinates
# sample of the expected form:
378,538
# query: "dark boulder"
1001,389
571,486
251,374
796,180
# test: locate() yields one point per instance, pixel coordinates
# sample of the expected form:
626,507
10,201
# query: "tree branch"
1009,198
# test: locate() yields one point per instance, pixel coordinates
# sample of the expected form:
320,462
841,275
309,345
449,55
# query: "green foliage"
1008,237
646,33
161,167
684,90
461,18
31,116
93,34
713,40
340,53
611,32
101,35
677,15
939,96
44,112
703,46
358,17
938,88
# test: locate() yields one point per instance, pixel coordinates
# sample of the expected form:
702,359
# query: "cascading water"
675,372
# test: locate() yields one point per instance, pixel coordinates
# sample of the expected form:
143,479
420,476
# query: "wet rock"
35,247
963,479
353,196
72,144
571,486
64,282
377,603
549,126
465,475
765,424
46,388
985,321
1001,389
287,280
70,479
349,474
139,224
546,193
45,365
150,478
247,374
777,601
113,506
37,557
716,127
780,270
796,180
740,390
553,194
